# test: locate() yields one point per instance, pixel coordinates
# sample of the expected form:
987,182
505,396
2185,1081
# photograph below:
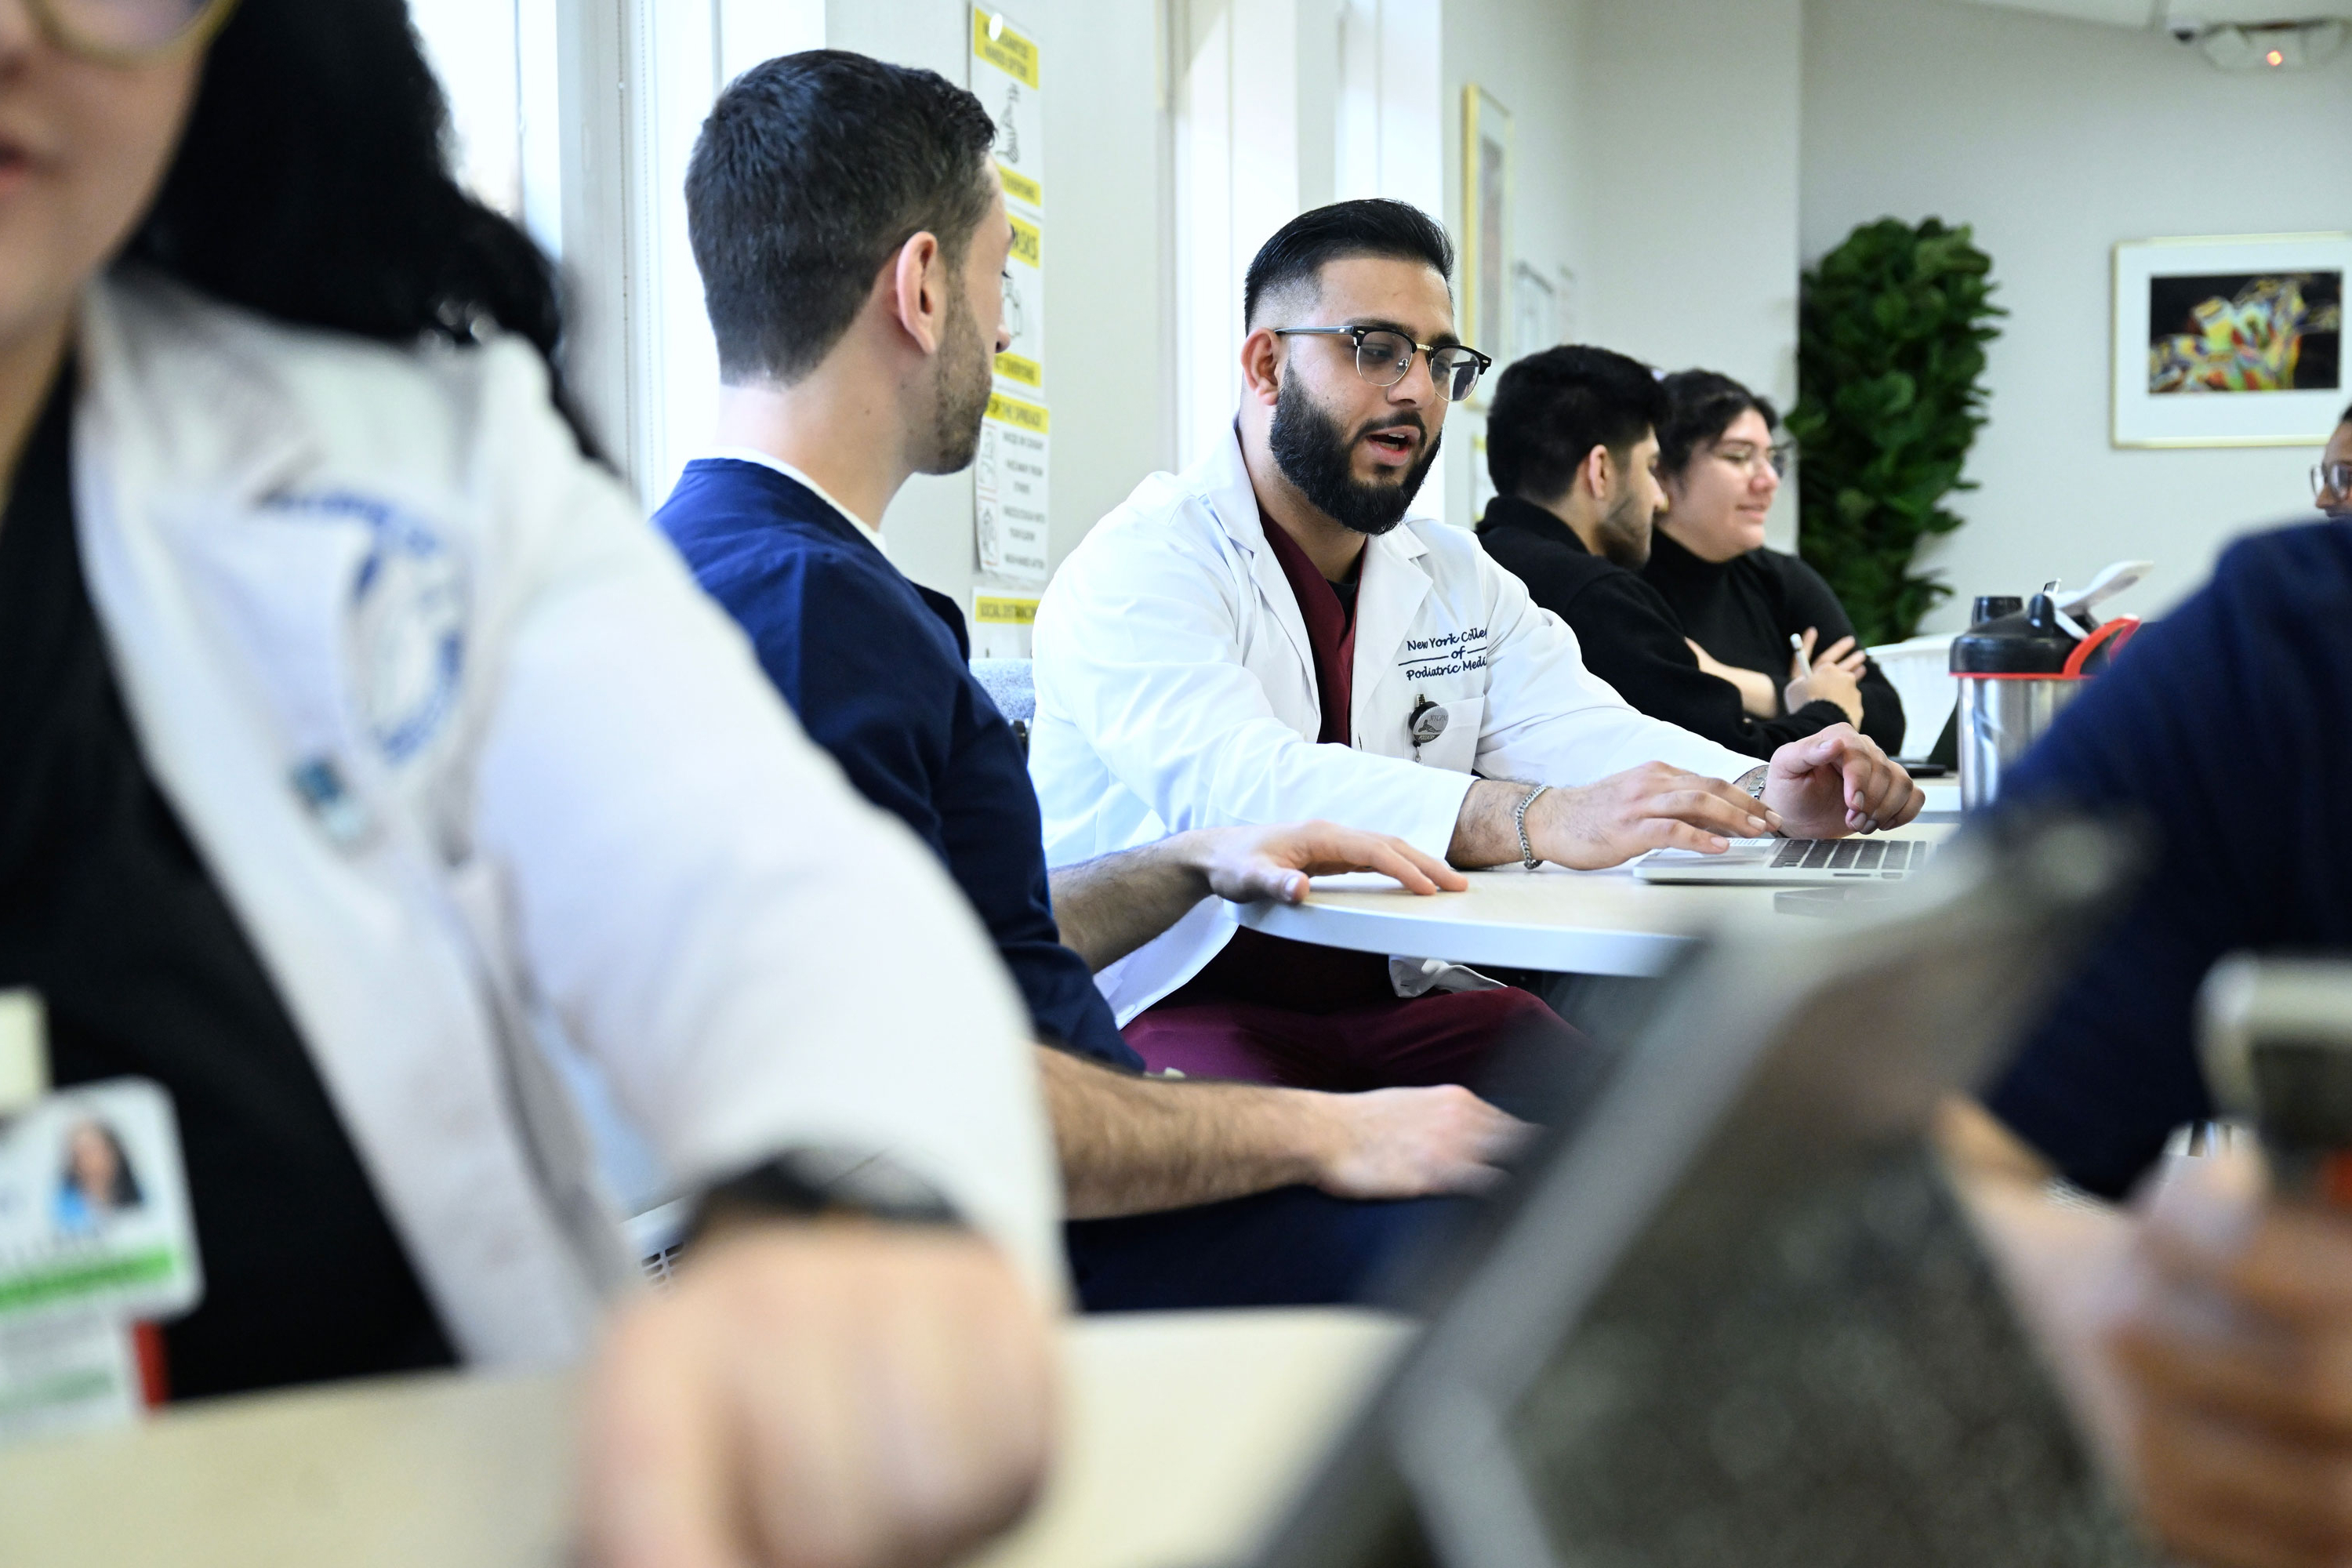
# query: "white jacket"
464,745
1176,689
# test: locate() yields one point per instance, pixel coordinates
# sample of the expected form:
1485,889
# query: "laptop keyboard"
1882,855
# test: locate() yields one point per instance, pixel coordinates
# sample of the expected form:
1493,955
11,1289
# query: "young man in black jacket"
1571,442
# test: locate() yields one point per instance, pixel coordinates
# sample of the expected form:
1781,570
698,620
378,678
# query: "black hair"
313,184
812,172
1550,409
2347,415
1700,407
124,1193
1375,226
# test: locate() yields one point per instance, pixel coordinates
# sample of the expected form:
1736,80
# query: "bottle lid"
2032,641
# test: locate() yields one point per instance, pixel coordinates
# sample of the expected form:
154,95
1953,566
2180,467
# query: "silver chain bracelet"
1519,820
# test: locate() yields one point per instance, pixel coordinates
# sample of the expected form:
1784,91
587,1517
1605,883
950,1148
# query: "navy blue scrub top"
2226,731
878,671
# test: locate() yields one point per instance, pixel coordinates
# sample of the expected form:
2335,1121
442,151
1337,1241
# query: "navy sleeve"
1812,602
881,708
874,677
996,848
2221,733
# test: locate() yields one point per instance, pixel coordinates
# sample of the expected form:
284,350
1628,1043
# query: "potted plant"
1890,365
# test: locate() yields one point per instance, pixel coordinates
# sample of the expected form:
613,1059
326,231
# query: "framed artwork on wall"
2231,342
1535,311
1486,227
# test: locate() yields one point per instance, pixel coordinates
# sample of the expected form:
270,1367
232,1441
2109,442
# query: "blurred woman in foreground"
354,719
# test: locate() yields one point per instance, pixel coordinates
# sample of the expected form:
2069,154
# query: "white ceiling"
2145,14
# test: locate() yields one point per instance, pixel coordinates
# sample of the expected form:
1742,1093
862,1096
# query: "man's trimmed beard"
1318,456
1624,533
965,368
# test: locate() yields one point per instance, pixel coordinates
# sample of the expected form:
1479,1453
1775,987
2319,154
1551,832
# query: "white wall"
2057,140
1523,54
1688,114
1657,154
1689,119
1107,343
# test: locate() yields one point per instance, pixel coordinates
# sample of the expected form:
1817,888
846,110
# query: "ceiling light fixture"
2266,47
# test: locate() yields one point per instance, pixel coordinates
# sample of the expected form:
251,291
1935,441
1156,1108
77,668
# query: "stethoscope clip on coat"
1426,724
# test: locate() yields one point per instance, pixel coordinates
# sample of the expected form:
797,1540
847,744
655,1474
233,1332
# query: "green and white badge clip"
96,1235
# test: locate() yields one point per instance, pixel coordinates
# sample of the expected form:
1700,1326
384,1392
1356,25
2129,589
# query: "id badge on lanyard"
96,1236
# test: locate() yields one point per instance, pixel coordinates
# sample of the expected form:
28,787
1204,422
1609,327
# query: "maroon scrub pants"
1275,1012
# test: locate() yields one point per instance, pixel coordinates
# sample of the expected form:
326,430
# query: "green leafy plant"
1890,365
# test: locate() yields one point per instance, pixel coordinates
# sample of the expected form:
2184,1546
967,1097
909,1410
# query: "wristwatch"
1753,781
817,1183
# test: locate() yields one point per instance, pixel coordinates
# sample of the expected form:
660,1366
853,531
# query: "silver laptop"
1731,1316
1791,862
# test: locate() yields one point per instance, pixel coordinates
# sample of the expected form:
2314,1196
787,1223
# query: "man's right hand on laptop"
1653,806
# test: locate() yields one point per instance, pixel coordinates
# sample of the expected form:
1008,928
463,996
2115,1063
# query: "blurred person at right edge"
2331,481
1740,600
2203,1324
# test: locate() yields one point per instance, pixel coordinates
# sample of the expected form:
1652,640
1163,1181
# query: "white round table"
1568,922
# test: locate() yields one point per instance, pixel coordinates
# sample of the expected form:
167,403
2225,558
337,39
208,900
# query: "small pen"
1797,647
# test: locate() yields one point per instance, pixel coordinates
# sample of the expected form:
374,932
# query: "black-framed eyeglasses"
1741,455
2331,479
129,32
1385,358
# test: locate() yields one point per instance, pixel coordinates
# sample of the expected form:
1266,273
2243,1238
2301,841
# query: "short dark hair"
1700,407
2347,415
812,170
1550,409
1374,225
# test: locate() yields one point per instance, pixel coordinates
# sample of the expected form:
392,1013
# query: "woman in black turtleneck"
1740,602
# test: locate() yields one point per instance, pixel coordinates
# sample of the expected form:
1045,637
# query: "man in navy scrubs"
2211,1323
850,233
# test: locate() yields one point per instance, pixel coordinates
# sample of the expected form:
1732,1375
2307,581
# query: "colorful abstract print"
2260,339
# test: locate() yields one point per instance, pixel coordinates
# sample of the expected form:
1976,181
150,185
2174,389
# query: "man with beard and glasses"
1267,635
1572,445
850,233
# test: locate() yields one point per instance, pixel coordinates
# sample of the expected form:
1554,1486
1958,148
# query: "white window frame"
613,94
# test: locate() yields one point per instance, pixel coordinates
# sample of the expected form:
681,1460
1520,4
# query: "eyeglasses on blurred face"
1385,358
2332,482
129,32
1753,458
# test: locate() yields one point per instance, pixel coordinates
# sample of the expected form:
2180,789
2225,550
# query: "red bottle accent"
154,1373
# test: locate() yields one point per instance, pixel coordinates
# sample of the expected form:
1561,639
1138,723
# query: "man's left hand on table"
1246,864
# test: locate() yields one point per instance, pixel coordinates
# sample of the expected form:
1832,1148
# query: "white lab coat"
1176,689
465,748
